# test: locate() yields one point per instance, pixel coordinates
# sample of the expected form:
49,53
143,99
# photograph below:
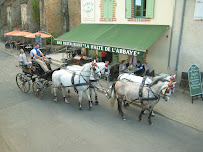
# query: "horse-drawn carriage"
36,76
78,77
81,78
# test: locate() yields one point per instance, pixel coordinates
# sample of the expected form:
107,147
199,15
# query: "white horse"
105,71
75,79
104,68
138,79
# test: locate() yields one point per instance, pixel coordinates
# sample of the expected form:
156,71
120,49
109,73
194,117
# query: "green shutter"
105,8
128,7
110,8
150,9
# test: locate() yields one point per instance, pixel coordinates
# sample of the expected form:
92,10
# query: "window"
107,8
142,9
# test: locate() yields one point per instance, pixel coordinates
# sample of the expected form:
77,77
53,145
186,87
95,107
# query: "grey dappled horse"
150,95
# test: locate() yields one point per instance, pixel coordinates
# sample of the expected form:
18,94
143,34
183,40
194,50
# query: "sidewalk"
178,108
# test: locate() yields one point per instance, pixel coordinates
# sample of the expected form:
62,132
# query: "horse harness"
156,96
80,84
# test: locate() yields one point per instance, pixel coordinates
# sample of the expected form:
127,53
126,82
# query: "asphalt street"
29,124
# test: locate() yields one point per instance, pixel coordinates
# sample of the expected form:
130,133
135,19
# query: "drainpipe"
170,48
180,36
65,15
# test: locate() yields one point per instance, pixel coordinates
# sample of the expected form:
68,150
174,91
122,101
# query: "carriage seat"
21,64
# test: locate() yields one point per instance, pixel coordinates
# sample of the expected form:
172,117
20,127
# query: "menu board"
77,57
195,83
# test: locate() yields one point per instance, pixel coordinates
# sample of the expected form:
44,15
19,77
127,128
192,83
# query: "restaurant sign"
88,9
100,47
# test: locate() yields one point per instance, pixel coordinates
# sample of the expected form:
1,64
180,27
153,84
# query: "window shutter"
198,10
105,8
128,7
110,8
150,9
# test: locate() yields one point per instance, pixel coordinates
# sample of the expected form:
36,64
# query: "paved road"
28,124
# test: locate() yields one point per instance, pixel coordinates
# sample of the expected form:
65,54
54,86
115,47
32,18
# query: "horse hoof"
80,108
124,117
56,100
126,105
96,102
90,108
153,115
150,123
67,101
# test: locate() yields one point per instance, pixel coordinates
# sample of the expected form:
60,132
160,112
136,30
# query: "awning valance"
119,38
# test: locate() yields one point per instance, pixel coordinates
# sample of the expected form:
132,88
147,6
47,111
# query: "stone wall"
56,16
3,19
59,16
51,16
15,14
74,11
32,26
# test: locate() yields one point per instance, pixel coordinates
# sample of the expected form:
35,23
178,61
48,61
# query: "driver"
39,57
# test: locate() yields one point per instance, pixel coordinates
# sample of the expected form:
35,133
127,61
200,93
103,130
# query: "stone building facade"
27,20
56,16
74,11
59,16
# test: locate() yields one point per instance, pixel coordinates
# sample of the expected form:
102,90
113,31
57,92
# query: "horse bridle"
167,91
93,67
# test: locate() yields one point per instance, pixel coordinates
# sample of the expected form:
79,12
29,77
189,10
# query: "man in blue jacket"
39,57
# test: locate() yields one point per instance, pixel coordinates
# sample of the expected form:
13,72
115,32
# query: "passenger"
122,67
139,69
39,57
23,59
139,65
97,59
7,45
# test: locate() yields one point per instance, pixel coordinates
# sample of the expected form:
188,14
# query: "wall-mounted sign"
198,10
87,8
100,47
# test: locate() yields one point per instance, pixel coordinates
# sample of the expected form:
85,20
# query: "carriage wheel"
22,82
38,90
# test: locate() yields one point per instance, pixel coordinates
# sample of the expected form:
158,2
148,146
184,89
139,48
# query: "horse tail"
113,95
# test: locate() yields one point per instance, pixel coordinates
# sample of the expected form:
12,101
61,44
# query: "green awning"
122,36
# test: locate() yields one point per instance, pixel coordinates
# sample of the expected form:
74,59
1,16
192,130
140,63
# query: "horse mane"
84,66
157,79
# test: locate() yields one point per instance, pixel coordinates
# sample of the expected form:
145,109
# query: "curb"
171,118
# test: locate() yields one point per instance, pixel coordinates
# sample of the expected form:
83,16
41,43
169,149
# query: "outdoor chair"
150,74
201,76
184,81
